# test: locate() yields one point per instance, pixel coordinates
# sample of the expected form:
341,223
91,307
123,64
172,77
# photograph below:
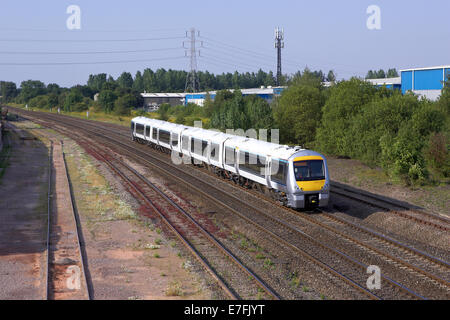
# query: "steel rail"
49,208
391,203
77,227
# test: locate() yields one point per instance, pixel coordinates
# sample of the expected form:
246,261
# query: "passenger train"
296,177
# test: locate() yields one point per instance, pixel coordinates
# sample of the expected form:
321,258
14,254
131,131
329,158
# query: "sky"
132,35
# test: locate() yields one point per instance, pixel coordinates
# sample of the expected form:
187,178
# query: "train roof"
243,143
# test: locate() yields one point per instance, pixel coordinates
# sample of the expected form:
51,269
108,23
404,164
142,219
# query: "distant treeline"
123,94
175,81
373,74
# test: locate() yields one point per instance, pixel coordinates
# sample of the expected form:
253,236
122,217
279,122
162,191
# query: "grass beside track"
4,157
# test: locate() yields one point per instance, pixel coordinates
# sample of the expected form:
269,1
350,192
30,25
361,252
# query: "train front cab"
309,182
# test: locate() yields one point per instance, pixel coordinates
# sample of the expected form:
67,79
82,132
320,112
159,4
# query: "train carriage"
296,177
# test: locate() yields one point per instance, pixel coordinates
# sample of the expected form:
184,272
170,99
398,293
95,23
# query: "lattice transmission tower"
192,82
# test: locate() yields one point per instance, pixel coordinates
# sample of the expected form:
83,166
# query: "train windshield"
309,170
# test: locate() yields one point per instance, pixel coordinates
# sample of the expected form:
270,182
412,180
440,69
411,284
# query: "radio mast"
279,44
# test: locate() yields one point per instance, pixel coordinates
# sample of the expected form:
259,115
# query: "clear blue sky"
319,34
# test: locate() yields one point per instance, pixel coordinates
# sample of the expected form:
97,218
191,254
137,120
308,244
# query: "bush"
298,113
382,116
402,155
180,119
345,101
106,99
39,102
233,111
437,154
124,104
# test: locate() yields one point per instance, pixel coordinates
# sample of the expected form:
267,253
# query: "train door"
147,132
133,131
269,172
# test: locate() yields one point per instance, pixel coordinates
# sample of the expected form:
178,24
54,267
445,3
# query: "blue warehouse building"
427,82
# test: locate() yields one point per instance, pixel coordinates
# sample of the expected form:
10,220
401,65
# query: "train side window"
215,151
174,139
140,128
155,133
229,156
164,136
253,164
198,146
185,142
147,131
204,146
278,172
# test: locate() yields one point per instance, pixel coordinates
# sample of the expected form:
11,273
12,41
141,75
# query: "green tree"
370,75
345,101
39,102
331,77
106,100
124,104
308,78
382,115
52,100
30,89
125,80
381,74
392,73
259,113
208,106
8,91
74,101
298,113
54,88
163,111
95,82
138,84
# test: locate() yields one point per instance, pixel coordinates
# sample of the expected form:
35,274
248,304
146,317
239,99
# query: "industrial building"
152,101
427,82
390,83
265,93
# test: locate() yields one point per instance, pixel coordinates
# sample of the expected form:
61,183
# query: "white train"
296,177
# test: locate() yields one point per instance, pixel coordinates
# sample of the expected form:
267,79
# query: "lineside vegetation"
406,135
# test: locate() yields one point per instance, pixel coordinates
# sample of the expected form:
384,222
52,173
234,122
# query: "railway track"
431,268
185,227
65,266
394,207
343,256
